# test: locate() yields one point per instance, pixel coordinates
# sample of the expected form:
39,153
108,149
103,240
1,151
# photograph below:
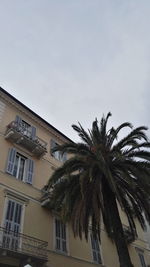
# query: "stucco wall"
38,222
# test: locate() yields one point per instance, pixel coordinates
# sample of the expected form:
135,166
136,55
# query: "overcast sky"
73,60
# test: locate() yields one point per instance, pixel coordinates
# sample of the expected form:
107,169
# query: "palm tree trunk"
119,238
115,221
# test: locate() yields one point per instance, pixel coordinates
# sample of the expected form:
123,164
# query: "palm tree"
102,174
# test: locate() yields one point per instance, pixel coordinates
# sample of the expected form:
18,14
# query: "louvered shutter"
18,120
60,231
29,171
57,232
12,222
63,237
33,132
95,249
53,144
11,161
142,260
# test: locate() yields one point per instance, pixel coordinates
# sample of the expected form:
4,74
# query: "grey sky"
73,60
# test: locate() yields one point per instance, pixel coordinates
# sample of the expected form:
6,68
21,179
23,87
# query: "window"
95,249
60,236
57,154
141,257
20,166
12,224
25,128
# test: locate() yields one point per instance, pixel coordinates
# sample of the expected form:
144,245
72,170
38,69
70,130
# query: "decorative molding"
16,196
22,194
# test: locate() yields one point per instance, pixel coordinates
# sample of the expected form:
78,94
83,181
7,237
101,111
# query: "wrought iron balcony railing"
23,244
17,133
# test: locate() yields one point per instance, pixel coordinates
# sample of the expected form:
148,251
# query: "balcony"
22,246
16,133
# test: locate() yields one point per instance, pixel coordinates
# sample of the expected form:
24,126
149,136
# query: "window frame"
13,166
26,128
141,257
19,166
9,196
61,251
98,252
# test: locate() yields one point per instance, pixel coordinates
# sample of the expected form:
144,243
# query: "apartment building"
29,233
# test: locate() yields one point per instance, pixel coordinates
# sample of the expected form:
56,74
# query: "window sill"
97,263
64,253
21,181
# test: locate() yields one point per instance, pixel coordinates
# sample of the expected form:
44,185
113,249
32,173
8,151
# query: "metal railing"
26,132
24,244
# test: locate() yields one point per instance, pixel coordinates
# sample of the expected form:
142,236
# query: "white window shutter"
53,144
29,171
11,161
95,249
60,232
33,132
18,120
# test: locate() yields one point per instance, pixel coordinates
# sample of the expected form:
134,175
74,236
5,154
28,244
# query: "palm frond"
99,175
82,133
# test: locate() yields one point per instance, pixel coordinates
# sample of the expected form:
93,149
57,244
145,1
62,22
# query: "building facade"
29,233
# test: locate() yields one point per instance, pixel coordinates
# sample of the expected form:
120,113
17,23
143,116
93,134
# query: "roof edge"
35,114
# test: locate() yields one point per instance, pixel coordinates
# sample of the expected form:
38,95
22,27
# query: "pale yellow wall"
42,166
38,222
58,260
140,232
108,251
